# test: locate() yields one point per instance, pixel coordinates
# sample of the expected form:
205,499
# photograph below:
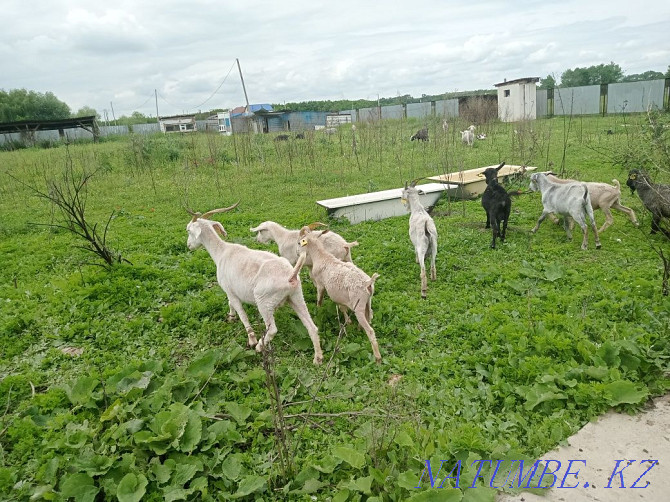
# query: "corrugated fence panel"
393,112
368,114
419,110
630,97
541,103
275,124
146,128
301,121
119,129
447,108
584,100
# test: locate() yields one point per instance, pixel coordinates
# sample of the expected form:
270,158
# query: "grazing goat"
300,135
287,241
422,233
252,276
421,134
281,137
445,125
346,284
468,136
603,196
655,197
570,199
497,203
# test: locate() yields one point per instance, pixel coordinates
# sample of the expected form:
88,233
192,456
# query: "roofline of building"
525,80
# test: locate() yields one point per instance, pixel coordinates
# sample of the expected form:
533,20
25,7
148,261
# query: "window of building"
507,93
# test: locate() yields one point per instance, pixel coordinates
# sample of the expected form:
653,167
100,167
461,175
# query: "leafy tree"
593,75
20,104
647,75
86,111
548,82
667,73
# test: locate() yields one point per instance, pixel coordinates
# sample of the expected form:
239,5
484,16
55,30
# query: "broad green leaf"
553,272
541,393
192,433
80,393
135,380
609,352
239,412
479,494
623,391
172,493
79,486
437,495
350,456
162,472
408,480
231,467
250,484
327,464
112,411
203,367
341,496
312,485
403,439
183,473
131,488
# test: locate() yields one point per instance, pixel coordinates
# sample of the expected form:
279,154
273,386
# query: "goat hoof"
598,246
318,360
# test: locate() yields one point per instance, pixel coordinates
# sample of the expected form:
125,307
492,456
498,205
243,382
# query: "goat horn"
195,215
220,210
500,166
413,182
316,224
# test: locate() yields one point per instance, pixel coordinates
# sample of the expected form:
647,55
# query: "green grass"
513,351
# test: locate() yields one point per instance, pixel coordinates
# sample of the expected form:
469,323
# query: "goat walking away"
497,203
422,233
468,136
654,196
570,200
603,196
421,134
346,284
251,276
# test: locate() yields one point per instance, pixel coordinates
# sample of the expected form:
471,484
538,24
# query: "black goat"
655,197
421,134
282,137
497,204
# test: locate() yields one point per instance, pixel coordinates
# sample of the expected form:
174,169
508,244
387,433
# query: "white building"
178,123
517,99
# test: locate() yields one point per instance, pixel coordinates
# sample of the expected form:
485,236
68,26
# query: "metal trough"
471,183
383,204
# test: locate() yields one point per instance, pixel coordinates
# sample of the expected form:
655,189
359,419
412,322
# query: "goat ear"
304,231
405,185
218,228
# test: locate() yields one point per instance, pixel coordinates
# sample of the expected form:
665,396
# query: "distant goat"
300,135
422,233
570,200
281,137
603,196
655,197
346,284
445,125
252,276
421,134
468,136
497,204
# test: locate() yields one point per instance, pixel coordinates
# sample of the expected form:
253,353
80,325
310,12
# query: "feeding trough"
471,183
375,206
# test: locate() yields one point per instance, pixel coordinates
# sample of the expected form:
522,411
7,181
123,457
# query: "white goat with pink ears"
252,276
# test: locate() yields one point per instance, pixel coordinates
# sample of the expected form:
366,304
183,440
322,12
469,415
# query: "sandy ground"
600,444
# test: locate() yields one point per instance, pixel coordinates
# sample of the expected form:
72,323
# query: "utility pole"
113,116
243,87
156,95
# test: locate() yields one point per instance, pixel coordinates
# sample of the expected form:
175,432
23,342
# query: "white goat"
287,241
468,136
346,284
252,276
603,196
422,232
569,199
445,125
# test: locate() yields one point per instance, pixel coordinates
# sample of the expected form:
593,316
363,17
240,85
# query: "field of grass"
513,350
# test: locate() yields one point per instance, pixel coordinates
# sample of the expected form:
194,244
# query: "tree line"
597,75
21,104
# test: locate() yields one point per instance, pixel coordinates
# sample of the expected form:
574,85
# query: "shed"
517,99
375,206
178,123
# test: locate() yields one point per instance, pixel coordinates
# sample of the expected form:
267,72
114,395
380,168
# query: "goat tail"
293,279
369,284
350,245
617,184
586,193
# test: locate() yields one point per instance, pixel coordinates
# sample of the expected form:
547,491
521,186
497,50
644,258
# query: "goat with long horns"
252,276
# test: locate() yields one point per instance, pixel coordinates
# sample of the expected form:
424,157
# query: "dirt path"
599,445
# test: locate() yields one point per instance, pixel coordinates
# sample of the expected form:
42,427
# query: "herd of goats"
269,281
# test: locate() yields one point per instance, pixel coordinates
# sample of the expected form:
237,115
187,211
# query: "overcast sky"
96,53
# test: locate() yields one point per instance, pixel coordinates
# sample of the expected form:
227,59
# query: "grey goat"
570,200
655,197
